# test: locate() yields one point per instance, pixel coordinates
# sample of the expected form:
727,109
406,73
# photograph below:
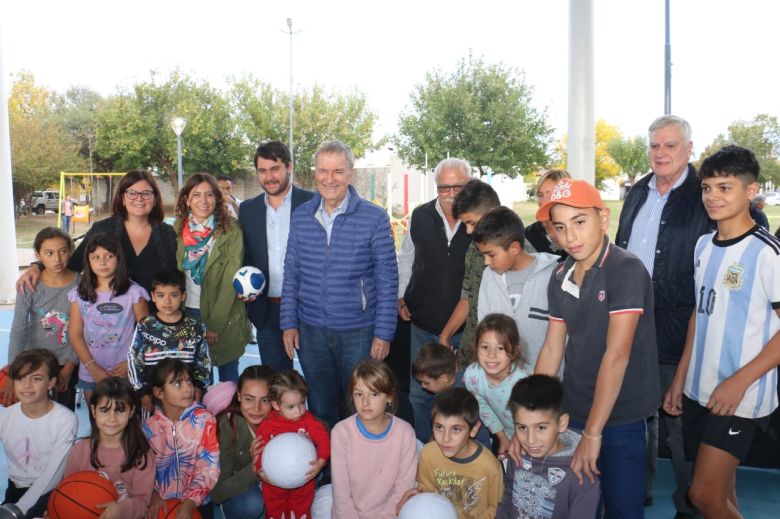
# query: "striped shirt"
644,232
737,294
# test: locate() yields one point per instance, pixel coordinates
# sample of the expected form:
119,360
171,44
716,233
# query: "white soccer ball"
322,507
286,459
428,505
249,281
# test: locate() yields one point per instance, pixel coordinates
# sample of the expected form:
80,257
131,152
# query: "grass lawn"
28,226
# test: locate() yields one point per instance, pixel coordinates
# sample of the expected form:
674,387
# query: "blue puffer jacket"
351,283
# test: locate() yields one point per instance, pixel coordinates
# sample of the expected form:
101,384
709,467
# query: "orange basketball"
79,494
173,505
7,402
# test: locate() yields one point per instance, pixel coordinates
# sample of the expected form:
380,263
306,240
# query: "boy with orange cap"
601,296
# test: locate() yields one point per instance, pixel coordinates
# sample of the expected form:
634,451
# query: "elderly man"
431,264
661,220
340,282
265,220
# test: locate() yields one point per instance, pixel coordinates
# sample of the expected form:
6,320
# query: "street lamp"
177,125
289,27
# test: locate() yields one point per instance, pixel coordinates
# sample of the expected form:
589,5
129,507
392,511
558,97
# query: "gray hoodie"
546,488
530,312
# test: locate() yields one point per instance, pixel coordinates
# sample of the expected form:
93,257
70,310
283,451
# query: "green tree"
40,147
133,128
77,112
480,112
630,154
762,136
606,167
262,113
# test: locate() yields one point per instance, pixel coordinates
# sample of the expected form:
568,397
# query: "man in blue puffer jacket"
340,282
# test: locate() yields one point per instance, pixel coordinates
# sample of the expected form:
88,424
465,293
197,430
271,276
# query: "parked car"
41,201
772,198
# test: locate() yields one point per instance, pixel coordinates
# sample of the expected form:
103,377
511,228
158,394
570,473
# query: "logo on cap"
561,190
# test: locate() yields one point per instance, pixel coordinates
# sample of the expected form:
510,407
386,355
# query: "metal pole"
178,152
667,67
581,147
292,154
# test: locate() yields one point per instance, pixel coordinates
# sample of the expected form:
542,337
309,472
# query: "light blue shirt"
277,229
644,231
327,219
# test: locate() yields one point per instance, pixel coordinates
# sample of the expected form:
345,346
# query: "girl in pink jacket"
183,436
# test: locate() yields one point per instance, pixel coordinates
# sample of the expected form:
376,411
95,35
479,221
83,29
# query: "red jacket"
276,424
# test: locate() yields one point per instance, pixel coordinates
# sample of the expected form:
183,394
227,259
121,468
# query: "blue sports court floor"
756,488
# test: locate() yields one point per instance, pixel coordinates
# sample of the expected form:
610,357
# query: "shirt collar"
444,218
652,184
340,209
285,200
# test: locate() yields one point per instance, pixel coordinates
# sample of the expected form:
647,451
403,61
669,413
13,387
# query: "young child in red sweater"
288,394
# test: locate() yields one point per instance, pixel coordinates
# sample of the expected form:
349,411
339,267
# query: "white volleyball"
322,507
286,459
428,505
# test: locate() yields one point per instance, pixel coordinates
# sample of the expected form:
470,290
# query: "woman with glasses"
210,251
148,243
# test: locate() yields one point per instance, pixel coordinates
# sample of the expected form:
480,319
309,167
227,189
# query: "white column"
581,147
9,266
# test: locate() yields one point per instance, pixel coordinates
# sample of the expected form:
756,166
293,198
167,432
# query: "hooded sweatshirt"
530,310
546,488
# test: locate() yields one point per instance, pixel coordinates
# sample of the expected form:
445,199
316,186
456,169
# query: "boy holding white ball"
287,392
453,464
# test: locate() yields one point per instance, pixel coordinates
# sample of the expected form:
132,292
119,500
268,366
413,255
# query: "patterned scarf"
197,239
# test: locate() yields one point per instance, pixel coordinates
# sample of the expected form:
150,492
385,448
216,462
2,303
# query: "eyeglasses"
132,194
444,188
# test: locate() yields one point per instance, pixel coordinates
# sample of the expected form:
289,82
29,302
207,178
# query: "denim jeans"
248,505
269,341
328,358
228,372
422,400
622,465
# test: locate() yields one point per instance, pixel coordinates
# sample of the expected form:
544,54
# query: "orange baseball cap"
571,192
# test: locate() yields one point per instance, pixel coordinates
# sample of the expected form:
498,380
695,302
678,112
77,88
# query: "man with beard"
431,265
266,223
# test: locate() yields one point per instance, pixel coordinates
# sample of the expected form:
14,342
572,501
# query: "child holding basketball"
103,311
288,399
362,442
41,316
238,488
37,433
183,436
117,448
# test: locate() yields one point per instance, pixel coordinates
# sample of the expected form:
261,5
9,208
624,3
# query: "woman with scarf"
210,251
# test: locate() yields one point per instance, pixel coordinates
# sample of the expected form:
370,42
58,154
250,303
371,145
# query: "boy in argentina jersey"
726,382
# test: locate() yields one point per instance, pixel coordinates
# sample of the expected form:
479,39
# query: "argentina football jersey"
737,292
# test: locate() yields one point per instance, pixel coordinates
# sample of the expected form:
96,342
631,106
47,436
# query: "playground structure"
82,213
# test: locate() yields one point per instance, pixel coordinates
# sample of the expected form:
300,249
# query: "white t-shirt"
737,291
37,448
